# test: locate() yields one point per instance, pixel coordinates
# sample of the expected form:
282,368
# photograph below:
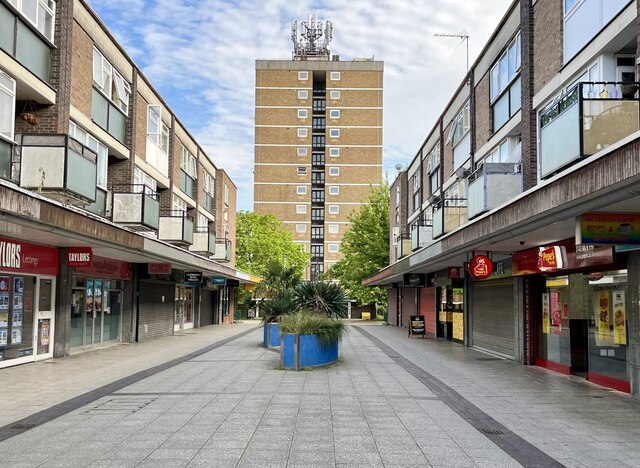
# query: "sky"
200,55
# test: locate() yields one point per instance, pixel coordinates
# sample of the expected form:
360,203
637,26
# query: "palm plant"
278,278
322,297
283,303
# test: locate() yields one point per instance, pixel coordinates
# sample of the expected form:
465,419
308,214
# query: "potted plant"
272,310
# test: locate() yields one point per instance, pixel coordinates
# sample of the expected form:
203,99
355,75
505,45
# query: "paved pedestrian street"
390,401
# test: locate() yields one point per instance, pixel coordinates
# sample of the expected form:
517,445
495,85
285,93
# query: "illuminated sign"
480,267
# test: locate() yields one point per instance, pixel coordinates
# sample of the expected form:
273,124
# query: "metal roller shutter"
155,317
206,308
428,308
493,321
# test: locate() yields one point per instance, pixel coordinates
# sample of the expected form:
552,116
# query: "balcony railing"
589,118
58,166
176,226
403,247
492,185
449,214
204,241
108,116
99,206
421,235
223,251
135,206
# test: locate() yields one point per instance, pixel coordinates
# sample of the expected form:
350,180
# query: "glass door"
45,294
178,317
78,307
188,308
111,313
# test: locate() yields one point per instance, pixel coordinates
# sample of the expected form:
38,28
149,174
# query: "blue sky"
200,55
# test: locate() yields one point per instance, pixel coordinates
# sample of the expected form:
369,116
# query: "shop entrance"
183,315
96,312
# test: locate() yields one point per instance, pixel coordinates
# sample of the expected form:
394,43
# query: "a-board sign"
416,327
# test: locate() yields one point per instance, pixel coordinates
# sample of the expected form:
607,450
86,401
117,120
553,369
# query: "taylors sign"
28,258
10,254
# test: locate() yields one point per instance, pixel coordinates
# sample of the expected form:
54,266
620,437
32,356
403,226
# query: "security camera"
521,242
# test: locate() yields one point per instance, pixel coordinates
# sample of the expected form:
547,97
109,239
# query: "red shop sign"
22,257
79,256
159,268
551,258
480,267
106,268
454,272
562,256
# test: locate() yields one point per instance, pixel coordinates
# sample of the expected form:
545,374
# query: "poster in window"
5,281
4,319
16,319
3,336
17,302
619,319
18,285
43,324
555,308
16,335
602,309
545,314
4,301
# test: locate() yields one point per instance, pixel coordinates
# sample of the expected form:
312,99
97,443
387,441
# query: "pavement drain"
492,431
120,405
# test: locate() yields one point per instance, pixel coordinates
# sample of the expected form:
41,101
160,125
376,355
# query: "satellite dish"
398,167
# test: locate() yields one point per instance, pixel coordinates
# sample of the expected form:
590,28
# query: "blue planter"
310,352
274,335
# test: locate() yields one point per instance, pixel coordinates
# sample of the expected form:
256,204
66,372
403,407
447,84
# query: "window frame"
303,75
303,94
495,95
301,209
188,162
333,247
142,178
302,133
334,114
334,133
301,190
334,171
209,184
301,228
334,94
334,209
110,82
40,5
331,151
335,76
301,170
9,133
303,113
178,204
301,151
334,190
461,120
334,229
160,138
102,157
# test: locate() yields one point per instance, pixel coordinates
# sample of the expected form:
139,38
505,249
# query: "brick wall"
547,42
531,67
482,112
82,78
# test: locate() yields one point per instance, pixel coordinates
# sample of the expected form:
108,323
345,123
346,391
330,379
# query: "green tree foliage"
261,240
365,248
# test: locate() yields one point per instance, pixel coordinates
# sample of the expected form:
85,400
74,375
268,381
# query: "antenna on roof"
464,37
310,46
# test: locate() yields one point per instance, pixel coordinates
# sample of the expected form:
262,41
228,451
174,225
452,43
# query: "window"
39,12
319,123
110,82
506,68
334,76
301,190
302,132
317,232
334,113
301,209
302,170
301,228
334,152
209,183
318,141
455,194
317,177
460,126
317,196
334,209
334,248
141,179
188,163
95,145
499,154
302,151
334,171
302,113
334,133
317,214
226,194
397,195
208,199
157,131
319,105
317,250
433,159
317,159
334,190
434,181
7,105
334,228
179,204
303,75
202,221
335,94
303,94
416,179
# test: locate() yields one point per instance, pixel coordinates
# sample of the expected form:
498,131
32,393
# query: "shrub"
322,297
327,329
280,305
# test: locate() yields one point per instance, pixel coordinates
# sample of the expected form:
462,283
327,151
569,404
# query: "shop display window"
16,316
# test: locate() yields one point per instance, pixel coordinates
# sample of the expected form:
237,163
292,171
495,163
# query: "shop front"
97,302
27,300
580,311
449,297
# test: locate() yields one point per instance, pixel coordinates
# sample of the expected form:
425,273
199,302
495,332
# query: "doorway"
96,312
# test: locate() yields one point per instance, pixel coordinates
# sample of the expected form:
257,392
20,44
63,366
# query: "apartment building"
515,227
318,141
116,225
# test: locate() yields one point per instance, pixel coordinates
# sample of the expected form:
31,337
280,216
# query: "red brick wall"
482,112
547,45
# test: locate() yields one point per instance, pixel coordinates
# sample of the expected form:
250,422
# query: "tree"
277,278
261,240
365,248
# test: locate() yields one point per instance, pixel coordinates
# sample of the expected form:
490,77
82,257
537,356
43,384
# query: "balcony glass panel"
5,159
81,175
560,135
99,206
208,202
438,222
489,191
175,226
7,22
223,250
420,236
117,123
151,212
605,122
133,208
187,184
100,109
403,248
33,52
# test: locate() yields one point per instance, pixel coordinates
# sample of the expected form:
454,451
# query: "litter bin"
386,316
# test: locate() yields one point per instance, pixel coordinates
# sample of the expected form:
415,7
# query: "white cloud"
201,55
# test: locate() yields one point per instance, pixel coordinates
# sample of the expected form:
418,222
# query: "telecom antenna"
308,45
464,37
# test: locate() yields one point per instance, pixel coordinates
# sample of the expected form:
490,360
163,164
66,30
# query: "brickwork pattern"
547,40
482,112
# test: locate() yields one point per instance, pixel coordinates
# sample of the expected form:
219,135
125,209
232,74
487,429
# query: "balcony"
6,156
403,246
57,166
492,185
421,235
107,115
135,206
204,241
176,227
99,206
223,251
448,215
591,117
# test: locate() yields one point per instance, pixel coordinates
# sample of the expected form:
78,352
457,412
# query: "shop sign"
79,256
414,280
454,272
480,267
159,268
194,277
417,326
564,256
217,280
551,258
232,283
23,257
608,228
102,267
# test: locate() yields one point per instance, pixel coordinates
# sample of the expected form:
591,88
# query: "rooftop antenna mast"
310,44
464,37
